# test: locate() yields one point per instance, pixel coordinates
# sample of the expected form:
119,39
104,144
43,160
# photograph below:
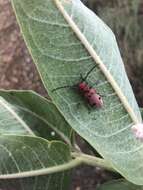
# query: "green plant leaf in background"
52,182
141,110
119,185
23,156
27,113
39,114
10,122
66,39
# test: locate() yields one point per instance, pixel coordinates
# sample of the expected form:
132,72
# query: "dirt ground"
16,68
17,71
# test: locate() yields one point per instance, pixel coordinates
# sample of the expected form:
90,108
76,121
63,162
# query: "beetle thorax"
83,87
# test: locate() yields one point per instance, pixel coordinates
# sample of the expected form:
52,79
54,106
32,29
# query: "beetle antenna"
58,88
89,72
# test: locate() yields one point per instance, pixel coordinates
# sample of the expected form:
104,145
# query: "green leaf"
40,115
23,156
50,182
141,110
66,39
27,113
118,185
11,122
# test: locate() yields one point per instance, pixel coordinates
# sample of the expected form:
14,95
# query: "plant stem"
79,158
53,169
93,161
75,146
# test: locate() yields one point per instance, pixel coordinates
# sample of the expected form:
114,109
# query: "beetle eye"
99,98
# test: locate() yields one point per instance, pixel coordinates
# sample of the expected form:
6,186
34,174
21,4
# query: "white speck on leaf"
10,154
53,133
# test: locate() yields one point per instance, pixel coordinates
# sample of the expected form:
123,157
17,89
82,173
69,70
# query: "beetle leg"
62,87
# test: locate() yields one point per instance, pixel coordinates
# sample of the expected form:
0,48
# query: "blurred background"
125,17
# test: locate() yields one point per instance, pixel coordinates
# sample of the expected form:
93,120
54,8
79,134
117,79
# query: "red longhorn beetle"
93,98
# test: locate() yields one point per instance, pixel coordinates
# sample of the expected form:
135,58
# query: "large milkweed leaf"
39,114
66,39
32,157
118,185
